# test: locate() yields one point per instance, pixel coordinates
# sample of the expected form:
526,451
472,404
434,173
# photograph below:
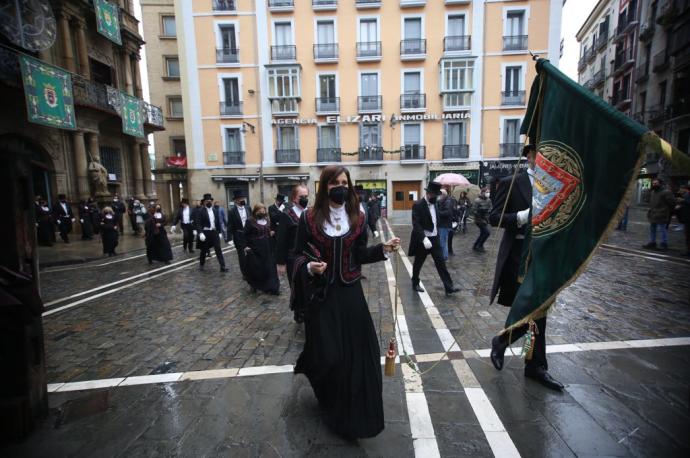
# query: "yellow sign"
378,184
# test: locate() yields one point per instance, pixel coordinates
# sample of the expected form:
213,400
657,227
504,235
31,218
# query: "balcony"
368,51
154,115
598,78
455,152
646,31
176,162
621,99
642,72
457,100
324,5
284,106
515,43
680,109
224,5
412,3
370,154
591,54
513,98
327,52
231,108
582,63
666,13
369,103
601,41
227,55
657,114
455,43
233,157
283,52
327,105
412,153
511,149
626,23
328,155
458,2
660,62
412,102
624,60
368,3
413,49
279,6
678,44
287,156
589,84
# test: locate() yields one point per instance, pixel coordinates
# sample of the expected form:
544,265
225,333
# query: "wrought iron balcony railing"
224,5
231,108
227,55
413,46
328,104
513,97
284,52
324,4
287,156
515,43
412,152
457,43
370,153
326,51
233,157
369,49
456,152
412,101
511,149
281,3
328,155
369,103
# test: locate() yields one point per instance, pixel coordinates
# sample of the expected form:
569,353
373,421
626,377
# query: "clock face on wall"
29,24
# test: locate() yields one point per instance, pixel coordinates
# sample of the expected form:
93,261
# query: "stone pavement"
617,402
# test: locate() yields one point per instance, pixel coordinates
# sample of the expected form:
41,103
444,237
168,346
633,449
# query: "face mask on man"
209,204
241,203
303,202
432,199
337,194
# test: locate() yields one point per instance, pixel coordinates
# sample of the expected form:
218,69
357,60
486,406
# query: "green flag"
588,158
108,20
48,94
132,119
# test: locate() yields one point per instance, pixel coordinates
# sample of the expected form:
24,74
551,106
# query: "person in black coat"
237,218
95,214
109,231
287,230
63,217
274,212
373,214
425,238
511,211
119,210
259,256
157,244
45,229
84,212
209,229
185,216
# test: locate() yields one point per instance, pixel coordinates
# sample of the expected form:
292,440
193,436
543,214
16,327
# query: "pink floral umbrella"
452,179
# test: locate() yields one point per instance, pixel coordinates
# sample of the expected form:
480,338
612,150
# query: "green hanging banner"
132,119
48,93
108,20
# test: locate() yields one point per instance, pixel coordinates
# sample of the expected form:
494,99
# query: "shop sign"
337,119
497,169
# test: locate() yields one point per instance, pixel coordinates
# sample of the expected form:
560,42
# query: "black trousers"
539,353
450,241
212,241
64,228
372,225
437,255
187,237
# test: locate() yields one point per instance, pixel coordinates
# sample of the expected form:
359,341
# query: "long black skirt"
109,237
262,273
158,247
342,361
46,233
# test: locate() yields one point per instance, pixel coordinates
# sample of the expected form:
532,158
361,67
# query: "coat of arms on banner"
107,20
48,94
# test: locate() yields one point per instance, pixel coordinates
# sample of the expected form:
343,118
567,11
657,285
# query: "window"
328,99
112,161
662,94
510,146
329,137
413,42
175,107
172,67
288,137
370,135
515,23
513,93
168,26
369,89
412,134
368,30
178,146
454,133
283,33
456,25
284,88
325,32
457,82
230,102
232,152
412,96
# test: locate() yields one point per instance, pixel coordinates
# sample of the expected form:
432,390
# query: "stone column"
138,89
83,51
146,170
128,74
94,148
66,35
135,157
80,165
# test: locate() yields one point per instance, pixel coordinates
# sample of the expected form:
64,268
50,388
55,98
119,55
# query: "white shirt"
298,210
185,215
338,217
243,214
432,210
261,222
64,207
211,219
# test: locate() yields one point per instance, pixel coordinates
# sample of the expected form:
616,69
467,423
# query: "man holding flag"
554,215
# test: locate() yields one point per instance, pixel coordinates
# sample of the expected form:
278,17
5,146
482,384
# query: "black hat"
184,201
207,197
527,148
62,196
238,194
280,197
433,188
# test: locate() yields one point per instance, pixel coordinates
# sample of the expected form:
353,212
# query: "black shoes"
417,288
498,349
451,291
650,246
542,376
223,269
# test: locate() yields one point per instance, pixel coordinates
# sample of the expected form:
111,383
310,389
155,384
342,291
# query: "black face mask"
303,202
241,203
209,205
260,215
655,186
338,194
432,200
215,206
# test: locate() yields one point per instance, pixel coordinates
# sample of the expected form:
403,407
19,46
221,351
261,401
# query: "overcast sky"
575,13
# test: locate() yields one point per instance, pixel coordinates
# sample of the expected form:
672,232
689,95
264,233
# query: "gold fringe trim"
649,139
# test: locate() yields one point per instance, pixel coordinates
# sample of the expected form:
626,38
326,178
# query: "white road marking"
167,270
666,259
460,366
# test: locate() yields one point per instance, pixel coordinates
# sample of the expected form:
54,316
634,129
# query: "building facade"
76,162
636,55
397,90
163,66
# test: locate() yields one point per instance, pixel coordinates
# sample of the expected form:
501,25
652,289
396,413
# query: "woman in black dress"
45,225
109,231
341,356
157,244
85,220
262,273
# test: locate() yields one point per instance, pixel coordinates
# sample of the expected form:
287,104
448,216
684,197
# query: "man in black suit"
374,213
287,230
515,219
274,212
237,218
425,239
185,216
209,228
63,217
119,209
